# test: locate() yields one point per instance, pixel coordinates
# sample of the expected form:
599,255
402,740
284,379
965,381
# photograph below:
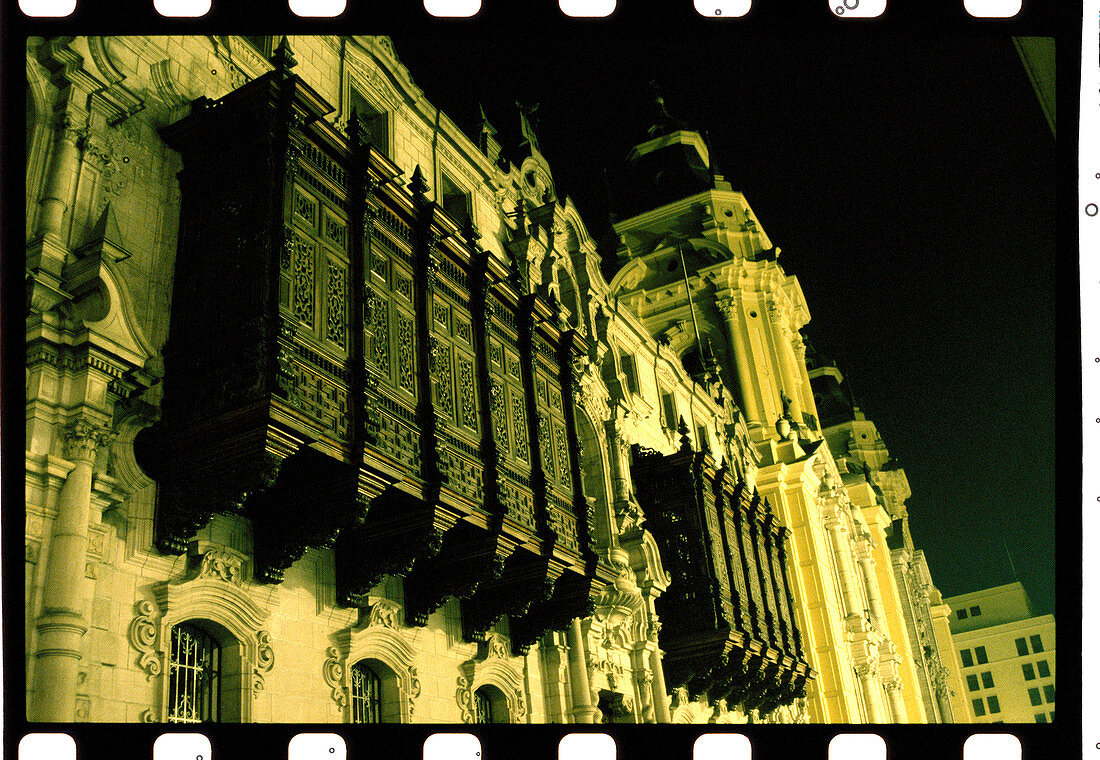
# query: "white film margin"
721,8
452,8
992,747
182,747
586,747
452,747
1088,215
722,747
857,8
47,747
857,747
317,747
587,8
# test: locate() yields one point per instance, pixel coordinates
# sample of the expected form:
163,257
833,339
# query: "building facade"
336,414
1007,654
878,484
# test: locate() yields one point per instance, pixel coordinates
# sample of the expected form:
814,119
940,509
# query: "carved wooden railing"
347,368
728,623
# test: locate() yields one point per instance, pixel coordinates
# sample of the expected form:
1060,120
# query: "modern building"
335,413
1007,653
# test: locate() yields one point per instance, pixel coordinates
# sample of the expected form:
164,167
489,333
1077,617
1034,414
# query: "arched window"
194,694
366,694
483,706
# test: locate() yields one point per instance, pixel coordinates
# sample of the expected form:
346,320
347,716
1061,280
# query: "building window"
1036,644
630,372
193,688
455,200
1048,692
994,705
1035,696
1044,669
372,122
972,682
366,694
668,406
975,611
1040,718
1051,716
704,441
962,614
979,653
979,708
483,706
987,680
967,658
1029,671
1021,647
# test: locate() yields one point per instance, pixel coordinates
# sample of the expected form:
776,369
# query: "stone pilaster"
61,625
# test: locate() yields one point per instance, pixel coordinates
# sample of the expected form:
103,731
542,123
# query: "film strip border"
573,8
570,746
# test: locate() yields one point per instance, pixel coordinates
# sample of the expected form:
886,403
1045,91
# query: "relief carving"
143,637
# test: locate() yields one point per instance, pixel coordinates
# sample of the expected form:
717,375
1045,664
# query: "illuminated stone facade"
342,395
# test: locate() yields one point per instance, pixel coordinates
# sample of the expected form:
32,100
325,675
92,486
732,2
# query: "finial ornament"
685,439
283,58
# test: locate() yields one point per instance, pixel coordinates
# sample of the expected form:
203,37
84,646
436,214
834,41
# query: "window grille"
483,706
366,694
193,676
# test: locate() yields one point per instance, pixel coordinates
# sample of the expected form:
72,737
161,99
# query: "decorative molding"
83,439
143,637
265,661
223,565
384,644
333,671
384,613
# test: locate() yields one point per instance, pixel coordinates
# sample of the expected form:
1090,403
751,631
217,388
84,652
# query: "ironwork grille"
366,695
193,676
483,707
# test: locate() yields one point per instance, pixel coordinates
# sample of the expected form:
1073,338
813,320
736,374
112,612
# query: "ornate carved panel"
723,613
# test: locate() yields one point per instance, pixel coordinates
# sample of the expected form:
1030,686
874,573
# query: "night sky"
910,183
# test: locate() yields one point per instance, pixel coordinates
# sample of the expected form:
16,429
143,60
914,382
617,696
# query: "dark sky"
910,183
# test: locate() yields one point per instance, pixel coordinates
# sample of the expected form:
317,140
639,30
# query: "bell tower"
695,265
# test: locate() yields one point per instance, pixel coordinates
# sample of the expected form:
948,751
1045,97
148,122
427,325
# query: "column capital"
83,439
866,669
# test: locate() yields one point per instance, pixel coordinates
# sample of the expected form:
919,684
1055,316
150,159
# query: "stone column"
835,525
46,255
897,704
555,660
872,690
792,378
660,691
799,347
59,182
867,568
583,709
62,626
741,359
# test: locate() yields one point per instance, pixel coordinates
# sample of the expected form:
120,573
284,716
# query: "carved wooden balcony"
728,626
346,367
